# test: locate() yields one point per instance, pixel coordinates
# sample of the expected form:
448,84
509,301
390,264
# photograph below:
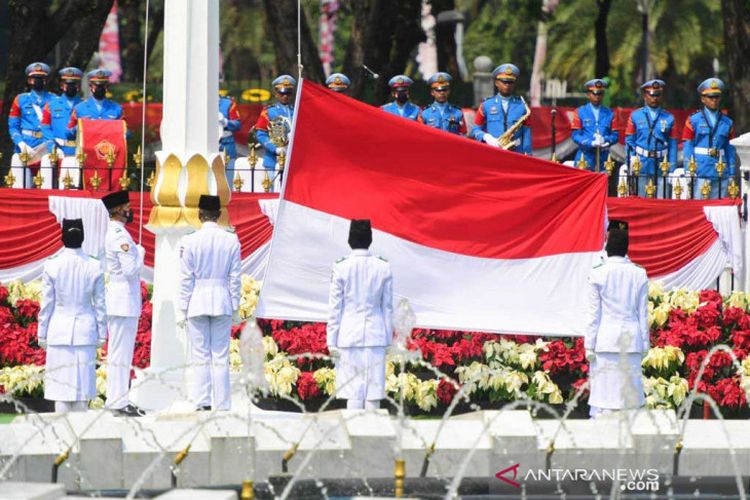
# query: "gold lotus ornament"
733,189
67,180
9,179
678,190
609,165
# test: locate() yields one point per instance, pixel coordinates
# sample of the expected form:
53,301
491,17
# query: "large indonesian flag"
478,238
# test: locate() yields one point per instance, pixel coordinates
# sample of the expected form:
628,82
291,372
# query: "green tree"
685,38
504,30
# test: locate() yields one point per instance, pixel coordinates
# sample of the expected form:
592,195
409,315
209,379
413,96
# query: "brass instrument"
505,141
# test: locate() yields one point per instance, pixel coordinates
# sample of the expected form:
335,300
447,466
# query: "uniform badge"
663,125
493,110
125,247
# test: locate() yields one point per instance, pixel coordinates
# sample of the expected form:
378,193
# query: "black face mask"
38,84
99,92
402,97
128,216
71,90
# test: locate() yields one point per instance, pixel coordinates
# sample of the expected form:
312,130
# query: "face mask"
38,84
71,90
402,97
128,216
99,92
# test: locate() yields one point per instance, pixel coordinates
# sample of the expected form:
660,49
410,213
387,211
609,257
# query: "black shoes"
204,408
129,411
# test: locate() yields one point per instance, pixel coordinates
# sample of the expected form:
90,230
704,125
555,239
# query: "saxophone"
505,141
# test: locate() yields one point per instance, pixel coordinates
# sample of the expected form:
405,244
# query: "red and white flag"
478,238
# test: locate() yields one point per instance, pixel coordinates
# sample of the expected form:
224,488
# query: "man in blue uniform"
651,136
96,107
282,109
57,113
706,137
229,119
593,127
500,112
441,114
338,82
25,122
401,106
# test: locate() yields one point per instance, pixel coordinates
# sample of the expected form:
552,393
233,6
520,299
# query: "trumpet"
506,141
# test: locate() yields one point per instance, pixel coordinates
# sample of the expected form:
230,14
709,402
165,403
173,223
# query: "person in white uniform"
360,320
72,322
124,261
617,335
209,303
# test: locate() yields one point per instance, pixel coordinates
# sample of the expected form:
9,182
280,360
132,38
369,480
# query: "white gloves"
334,351
281,150
141,251
100,342
599,142
181,318
491,140
590,355
236,319
42,343
22,146
222,119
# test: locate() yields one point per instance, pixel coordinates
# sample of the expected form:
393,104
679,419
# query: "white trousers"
69,406
120,348
209,352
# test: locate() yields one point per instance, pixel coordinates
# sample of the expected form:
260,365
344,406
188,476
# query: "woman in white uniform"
72,322
617,335
360,321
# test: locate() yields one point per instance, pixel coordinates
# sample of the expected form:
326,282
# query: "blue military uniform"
443,116
593,126
283,84
651,135
407,110
57,113
338,82
26,112
496,114
706,137
92,108
230,121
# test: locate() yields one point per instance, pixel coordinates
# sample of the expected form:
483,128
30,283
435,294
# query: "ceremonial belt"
119,278
226,133
650,154
32,133
211,281
65,143
706,151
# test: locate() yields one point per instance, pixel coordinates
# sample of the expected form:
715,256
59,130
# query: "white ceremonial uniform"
124,263
72,319
210,293
618,334
360,324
